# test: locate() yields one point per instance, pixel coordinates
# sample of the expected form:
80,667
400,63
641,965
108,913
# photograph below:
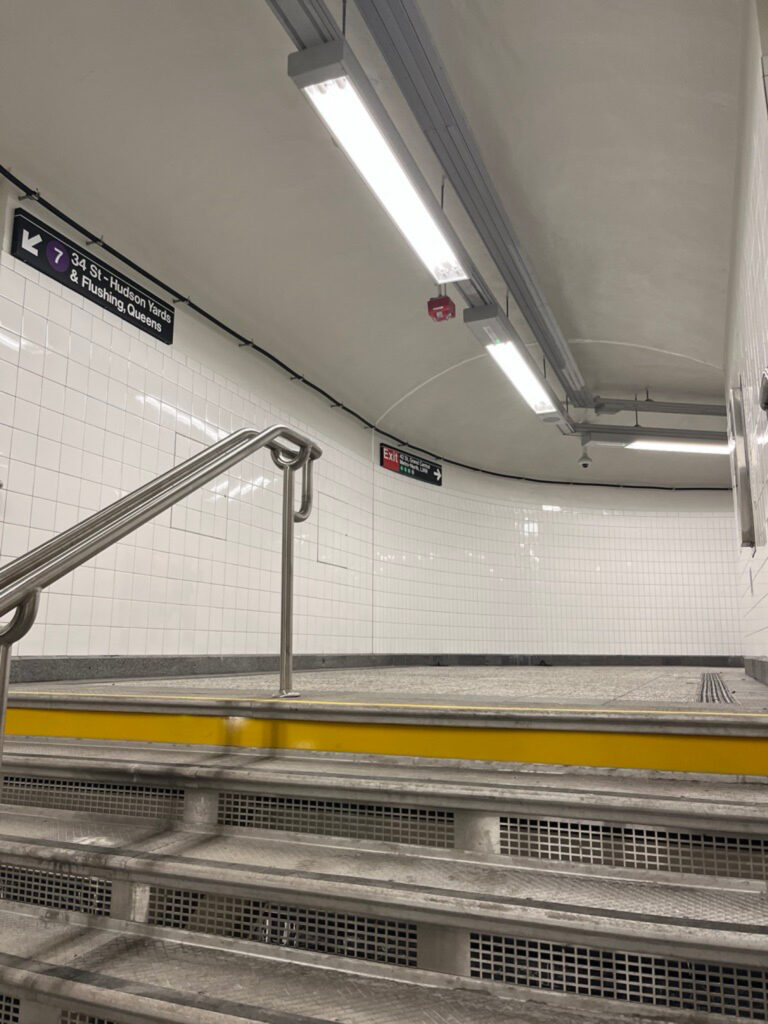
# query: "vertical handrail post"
286,589
21,623
5,679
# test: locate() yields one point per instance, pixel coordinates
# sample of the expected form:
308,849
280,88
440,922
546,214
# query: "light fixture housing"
655,444
655,439
493,330
336,86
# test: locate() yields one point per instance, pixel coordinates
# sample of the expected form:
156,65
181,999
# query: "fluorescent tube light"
688,447
493,330
339,104
516,367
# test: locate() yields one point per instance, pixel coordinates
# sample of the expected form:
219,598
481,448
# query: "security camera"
584,459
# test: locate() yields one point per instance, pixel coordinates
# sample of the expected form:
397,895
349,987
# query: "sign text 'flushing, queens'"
49,252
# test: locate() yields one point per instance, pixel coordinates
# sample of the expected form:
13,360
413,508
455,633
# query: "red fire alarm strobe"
442,307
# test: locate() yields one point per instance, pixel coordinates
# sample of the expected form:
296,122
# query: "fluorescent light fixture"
345,111
688,447
511,360
492,330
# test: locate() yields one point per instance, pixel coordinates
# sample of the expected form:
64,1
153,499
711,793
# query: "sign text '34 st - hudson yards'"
55,256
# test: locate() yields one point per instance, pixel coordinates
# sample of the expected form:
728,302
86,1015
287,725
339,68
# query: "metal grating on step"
323,931
631,977
74,1017
627,846
57,889
713,689
417,826
9,1009
98,797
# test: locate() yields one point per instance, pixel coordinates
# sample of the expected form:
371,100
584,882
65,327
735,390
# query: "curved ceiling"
610,128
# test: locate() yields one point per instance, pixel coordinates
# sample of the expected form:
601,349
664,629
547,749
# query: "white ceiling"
610,128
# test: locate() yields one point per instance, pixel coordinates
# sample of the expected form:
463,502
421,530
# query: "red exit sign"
390,458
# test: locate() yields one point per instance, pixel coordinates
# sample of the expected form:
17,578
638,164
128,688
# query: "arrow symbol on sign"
30,243
438,474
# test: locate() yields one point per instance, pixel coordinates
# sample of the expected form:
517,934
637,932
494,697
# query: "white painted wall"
748,336
90,408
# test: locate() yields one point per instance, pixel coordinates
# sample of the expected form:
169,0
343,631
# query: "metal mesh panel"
418,826
324,931
74,1017
9,1009
635,847
57,889
632,977
99,797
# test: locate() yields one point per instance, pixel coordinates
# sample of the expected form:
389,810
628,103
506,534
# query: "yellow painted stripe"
606,709
204,730
669,752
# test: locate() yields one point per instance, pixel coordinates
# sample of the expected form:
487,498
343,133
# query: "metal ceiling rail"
419,75
22,580
309,24
632,432
405,42
613,405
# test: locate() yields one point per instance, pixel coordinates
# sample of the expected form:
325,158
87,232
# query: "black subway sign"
398,461
49,252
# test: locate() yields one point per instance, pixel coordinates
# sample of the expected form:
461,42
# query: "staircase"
231,875
161,882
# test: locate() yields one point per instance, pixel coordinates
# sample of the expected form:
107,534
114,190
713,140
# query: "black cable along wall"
179,298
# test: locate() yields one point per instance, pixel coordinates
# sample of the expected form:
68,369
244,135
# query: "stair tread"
439,881
371,778
118,971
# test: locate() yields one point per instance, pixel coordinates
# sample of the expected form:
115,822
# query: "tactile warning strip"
98,797
323,931
417,826
628,846
631,977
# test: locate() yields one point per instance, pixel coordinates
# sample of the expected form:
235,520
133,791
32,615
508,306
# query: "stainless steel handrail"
22,579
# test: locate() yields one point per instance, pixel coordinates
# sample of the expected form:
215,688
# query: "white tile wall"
90,408
748,338
484,570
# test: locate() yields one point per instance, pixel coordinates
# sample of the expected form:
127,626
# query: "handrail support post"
286,588
21,623
22,579
5,679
